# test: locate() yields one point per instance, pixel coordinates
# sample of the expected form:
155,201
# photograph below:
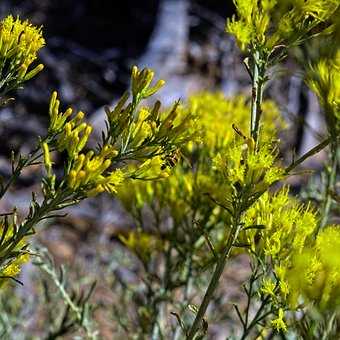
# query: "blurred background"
91,46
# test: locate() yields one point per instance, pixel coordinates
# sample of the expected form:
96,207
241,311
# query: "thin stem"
329,327
23,163
159,309
258,317
186,294
214,280
258,80
46,207
308,154
330,184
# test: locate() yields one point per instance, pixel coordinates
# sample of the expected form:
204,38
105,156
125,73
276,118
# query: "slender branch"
23,163
214,281
258,80
330,184
186,294
47,207
308,154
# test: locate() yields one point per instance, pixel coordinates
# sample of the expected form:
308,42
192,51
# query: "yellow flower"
314,273
20,42
141,243
14,267
269,23
91,172
278,324
324,79
268,287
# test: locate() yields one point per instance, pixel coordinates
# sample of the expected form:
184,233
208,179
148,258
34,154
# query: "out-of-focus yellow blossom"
324,80
216,113
314,274
268,287
12,267
20,42
278,324
141,243
271,23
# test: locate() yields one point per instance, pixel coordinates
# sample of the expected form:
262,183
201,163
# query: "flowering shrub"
133,134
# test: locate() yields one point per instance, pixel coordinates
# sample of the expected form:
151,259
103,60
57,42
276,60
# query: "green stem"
23,163
186,294
330,184
308,154
159,309
258,80
329,327
214,281
47,207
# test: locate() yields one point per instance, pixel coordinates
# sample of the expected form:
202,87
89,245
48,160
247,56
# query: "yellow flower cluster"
19,45
184,191
141,81
139,142
216,113
324,80
74,133
256,25
278,324
287,225
141,243
314,274
244,167
12,267
278,230
90,172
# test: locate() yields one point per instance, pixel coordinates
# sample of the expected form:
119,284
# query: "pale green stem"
214,281
43,211
186,295
160,308
330,184
258,80
308,154
327,334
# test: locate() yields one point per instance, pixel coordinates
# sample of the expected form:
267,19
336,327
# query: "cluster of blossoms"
254,24
306,270
11,267
135,145
217,113
195,185
324,80
20,42
137,142
287,222
314,275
